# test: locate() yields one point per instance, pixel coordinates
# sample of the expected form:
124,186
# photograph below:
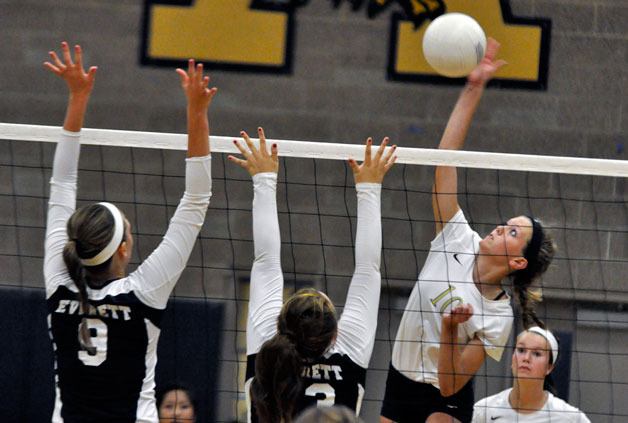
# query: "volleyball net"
582,202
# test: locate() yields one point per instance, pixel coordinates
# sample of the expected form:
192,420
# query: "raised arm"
199,97
158,274
457,364
64,169
445,190
79,82
266,290
357,326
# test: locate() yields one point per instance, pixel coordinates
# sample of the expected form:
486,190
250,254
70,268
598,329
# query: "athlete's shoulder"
566,410
496,400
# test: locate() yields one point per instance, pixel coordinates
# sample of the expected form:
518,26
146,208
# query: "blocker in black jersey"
333,380
302,341
105,324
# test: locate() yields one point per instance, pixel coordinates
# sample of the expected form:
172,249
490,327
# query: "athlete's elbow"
447,391
446,385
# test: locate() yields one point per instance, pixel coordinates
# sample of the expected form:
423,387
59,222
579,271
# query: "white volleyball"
453,44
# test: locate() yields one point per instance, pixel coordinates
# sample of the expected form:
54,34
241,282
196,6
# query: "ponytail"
90,229
306,328
527,299
539,254
277,383
77,273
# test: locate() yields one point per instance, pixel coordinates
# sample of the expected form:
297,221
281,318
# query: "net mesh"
584,289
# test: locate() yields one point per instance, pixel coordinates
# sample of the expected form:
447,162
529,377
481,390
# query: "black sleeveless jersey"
333,380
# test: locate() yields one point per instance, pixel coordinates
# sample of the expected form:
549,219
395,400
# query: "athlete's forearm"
451,375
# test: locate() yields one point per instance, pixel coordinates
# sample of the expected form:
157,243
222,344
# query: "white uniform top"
125,315
358,323
497,409
446,281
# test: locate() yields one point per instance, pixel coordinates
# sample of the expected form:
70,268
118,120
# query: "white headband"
550,339
116,239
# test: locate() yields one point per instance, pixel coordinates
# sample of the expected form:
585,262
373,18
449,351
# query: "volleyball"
453,44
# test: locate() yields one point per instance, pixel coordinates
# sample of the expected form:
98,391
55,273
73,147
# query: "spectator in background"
176,404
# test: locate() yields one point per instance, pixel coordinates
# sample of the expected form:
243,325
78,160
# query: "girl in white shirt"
105,323
458,313
299,353
533,359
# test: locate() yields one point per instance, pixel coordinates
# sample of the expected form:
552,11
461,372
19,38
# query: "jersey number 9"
98,333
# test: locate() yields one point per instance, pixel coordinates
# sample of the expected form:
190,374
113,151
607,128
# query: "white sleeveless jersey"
446,281
117,383
497,409
339,376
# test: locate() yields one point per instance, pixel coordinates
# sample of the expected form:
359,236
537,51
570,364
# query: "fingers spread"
249,143
380,150
367,152
353,165
242,149
389,159
239,162
78,55
492,48
66,53
199,73
52,68
274,153
56,60
91,73
182,76
262,141
191,68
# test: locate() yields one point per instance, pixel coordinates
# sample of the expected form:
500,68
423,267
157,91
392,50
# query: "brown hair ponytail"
277,383
77,273
306,327
89,229
539,253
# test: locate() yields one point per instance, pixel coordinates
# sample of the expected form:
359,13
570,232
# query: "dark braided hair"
306,327
90,228
539,253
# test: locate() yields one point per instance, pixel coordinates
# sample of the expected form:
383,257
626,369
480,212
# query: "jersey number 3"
98,332
316,389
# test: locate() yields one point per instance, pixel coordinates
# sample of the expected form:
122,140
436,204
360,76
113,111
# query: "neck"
487,277
527,396
98,280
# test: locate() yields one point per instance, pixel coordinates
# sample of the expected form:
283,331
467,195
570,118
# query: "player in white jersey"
534,358
298,353
105,323
458,312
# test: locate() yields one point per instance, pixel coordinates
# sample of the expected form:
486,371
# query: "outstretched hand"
79,82
256,160
458,314
195,86
373,169
487,67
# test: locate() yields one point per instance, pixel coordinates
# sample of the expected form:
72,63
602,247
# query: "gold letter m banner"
226,34
257,35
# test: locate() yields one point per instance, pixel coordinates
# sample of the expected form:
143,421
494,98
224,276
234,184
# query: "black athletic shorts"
407,401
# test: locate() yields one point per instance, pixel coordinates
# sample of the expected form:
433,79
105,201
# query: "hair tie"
118,232
534,246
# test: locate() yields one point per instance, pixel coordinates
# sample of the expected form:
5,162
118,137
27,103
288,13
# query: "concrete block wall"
338,92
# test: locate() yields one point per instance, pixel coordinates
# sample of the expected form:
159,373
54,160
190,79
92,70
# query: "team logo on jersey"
258,35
